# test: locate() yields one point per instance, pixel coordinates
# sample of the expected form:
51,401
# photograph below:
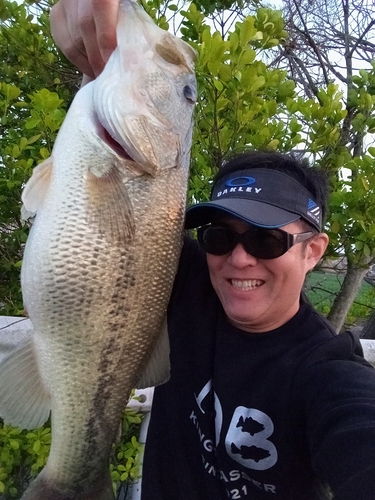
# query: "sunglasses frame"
288,239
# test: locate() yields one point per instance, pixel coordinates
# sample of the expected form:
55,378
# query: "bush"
24,453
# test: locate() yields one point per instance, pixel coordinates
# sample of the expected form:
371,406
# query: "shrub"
24,453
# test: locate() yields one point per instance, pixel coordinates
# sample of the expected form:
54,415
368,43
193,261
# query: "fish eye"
189,94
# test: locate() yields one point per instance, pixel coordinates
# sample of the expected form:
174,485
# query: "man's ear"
315,249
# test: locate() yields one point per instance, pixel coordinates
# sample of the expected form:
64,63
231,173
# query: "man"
264,400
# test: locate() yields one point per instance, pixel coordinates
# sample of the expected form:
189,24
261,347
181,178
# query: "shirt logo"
247,439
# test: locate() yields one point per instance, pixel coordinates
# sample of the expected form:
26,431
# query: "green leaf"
257,83
218,85
247,57
247,30
10,91
16,431
33,139
14,444
32,123
36,446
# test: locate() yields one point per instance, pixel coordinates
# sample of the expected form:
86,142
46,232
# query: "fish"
101,256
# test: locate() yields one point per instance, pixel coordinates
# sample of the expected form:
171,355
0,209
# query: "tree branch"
291,56
311,41
361,38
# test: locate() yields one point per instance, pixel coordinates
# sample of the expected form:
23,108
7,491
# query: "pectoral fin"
24,400
158,367
36,188
110,208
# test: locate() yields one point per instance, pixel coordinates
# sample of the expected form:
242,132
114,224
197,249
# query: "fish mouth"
112,143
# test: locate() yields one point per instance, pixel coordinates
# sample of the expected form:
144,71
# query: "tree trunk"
349,289
368,331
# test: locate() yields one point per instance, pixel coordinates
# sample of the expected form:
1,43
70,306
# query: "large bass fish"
101,257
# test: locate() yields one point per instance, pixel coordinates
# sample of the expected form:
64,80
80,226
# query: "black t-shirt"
276,415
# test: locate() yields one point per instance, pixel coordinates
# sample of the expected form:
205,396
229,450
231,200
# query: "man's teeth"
246,284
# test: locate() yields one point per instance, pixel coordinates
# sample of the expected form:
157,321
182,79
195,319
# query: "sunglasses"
259,242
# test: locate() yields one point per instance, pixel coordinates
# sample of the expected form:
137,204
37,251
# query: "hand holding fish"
85,31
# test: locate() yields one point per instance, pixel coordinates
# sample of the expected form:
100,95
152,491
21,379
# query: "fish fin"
110,208
24,401
13,334
46,488
157,370
36,188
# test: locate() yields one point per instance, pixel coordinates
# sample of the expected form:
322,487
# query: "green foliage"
239,96
208,7
36,85
322,288
125,460
27,141
330,129
156,9
352,223
23,454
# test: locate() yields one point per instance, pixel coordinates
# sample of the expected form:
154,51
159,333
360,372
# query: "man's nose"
240,258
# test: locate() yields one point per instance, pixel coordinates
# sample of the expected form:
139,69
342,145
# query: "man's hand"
85,31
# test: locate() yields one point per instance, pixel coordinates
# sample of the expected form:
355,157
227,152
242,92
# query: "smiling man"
259,281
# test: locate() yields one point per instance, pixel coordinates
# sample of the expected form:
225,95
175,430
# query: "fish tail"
43,488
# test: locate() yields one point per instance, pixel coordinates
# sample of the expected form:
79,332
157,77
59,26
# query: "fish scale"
101,257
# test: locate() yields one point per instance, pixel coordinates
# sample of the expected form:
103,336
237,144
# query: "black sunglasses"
259,242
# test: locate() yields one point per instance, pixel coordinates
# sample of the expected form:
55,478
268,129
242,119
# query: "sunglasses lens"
216,240
265,243
258,242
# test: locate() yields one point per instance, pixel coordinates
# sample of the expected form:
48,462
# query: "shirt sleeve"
337,396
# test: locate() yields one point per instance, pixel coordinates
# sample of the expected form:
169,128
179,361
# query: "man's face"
259,295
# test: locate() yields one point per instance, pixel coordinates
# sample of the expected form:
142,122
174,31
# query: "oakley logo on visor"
240,181
239,185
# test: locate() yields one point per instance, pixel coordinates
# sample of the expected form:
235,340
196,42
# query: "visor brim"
253,212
